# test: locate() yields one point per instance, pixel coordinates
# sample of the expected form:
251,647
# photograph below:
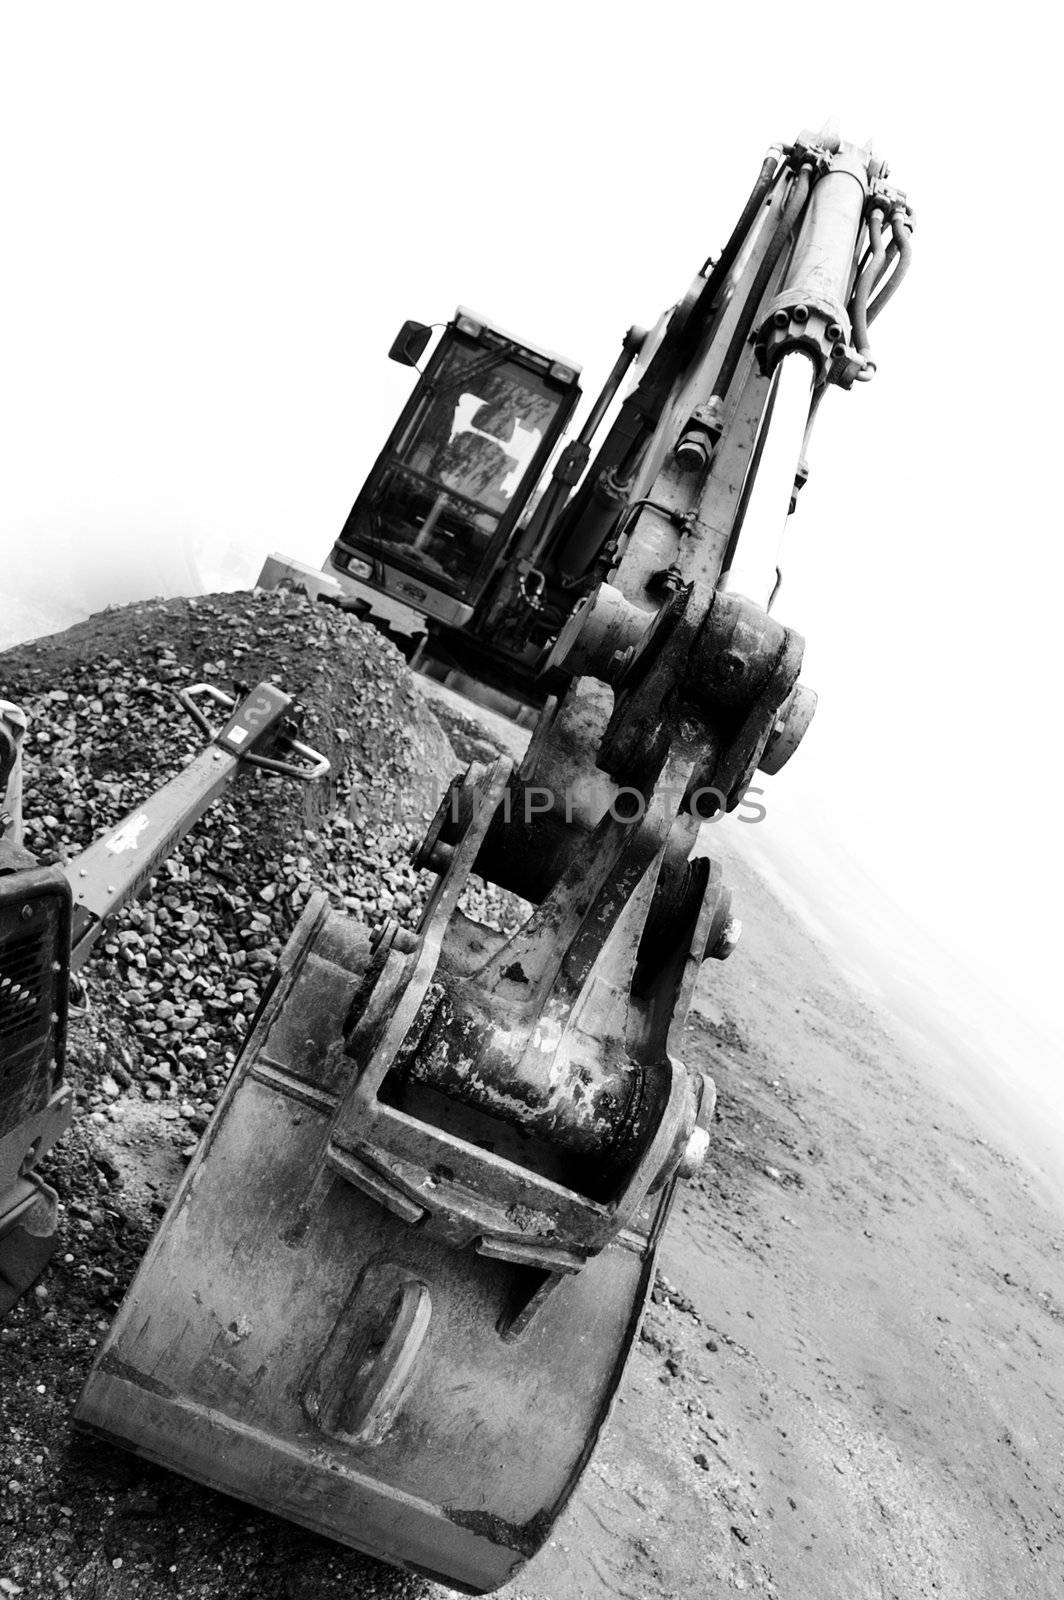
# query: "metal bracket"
255,721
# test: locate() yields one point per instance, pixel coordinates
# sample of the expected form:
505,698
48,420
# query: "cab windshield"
462,459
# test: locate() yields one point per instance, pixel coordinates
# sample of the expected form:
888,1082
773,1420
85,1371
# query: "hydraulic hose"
866,282
888,262
792,210
644,408
719,269
902,241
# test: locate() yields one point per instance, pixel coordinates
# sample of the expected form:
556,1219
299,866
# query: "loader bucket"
335,1365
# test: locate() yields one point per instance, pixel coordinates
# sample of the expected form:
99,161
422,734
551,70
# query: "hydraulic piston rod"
753,571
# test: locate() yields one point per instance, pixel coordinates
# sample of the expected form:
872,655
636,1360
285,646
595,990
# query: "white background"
216,216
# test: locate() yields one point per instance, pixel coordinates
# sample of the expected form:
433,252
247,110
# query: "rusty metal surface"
29,1215
36,1105
34,946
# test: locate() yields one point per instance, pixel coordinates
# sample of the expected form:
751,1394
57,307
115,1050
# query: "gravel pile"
172,990
184,968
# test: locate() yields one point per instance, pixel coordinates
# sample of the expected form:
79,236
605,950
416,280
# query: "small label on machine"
127,837
254,718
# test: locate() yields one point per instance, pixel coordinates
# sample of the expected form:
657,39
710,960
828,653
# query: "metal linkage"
707,657
561,1041
463,1116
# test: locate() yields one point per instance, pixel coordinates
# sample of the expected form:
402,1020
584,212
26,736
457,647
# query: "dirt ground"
857,1390
849,1383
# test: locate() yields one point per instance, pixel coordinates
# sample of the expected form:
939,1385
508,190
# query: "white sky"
216,216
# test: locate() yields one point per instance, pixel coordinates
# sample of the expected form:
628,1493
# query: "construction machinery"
394,1295
50,920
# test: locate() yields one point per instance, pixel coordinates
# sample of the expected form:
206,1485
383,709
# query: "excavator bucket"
311,1349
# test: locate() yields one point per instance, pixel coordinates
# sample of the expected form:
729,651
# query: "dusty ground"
849,1383
858,1391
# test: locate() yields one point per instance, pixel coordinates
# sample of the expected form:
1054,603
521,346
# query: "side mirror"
408,346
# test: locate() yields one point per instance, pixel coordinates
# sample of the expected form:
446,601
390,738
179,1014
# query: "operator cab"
436,513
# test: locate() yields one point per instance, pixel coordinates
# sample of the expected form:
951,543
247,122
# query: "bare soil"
857,1388
850,1381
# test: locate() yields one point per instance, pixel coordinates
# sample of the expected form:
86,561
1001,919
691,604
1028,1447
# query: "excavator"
394,1295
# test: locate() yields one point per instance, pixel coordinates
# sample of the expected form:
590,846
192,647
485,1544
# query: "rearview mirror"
408,346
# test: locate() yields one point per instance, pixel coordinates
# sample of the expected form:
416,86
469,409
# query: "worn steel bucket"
335,1364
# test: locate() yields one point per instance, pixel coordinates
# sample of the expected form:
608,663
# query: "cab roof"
551,356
